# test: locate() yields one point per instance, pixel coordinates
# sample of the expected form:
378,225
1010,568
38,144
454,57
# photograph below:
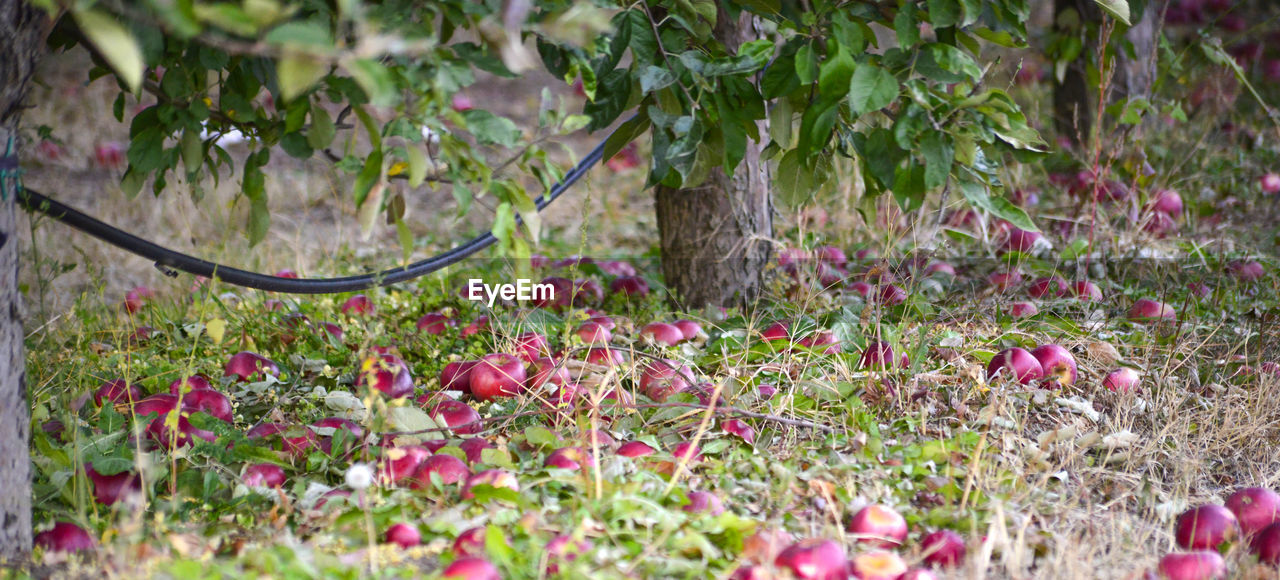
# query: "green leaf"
309,34
116,45
979,195
374,79
227,16
253,186
417,160
938,153
653,78
297,73
780,79
504,224
612,94
371,173
322,130
794,180
834,75
1117,8
816,126
489,128
806,64
192,151
871,88
947,64
627,132
944,13
406,239
906,26
369,210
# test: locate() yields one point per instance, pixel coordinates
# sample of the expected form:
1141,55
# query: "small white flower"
359,476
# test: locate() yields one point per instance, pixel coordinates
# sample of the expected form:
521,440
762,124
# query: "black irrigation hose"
167,260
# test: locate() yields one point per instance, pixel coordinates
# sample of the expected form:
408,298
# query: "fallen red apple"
474,448
188,384
496,478
136,298
879,526
1020,240
471,568
892,295
629,287
480,324
877,565
1205,527
185,435
387,373
636,449
822,341
1147,310
586,291
1266,545
1003,281
617,268
563,548
117,391
814,559
458,416
404,535
1023,309
862,288
497,375
940,269
661,334
1053,287
703,502
689,328
1270,182
561,295
1167,201
470,542
879,355
1246,270
1016,363
1086,291
247,365
532,345
765,545
207,401
65,537
1121,380
1058,365
943,548
605,356
1198,565
1255,508
263,475
400,463
448,468
456,376
109,489
663,378
739,428
547,371
593,333
358,305
776,331
435,323
574,458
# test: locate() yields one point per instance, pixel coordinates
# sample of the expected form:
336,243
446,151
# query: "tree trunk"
715,237
1072,110
23,29
1137,74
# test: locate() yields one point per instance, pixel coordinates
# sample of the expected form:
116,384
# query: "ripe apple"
456,376
208,401
109,489
943,548
561,293
470,542
1167,201
480,324
354,433
1255,508
1246,270
160,403
593,333
1121,380
940,270
1002,281
1198,565
1147,310
689,328
448,468
822,341
491,477
135,299
664,378
862,288
1052,286
1023,309
879,355
605,356
547,371
661,334
703,502
474,448
191,383
458,416
471,568
617,268
877,565
814,559
1266,545
185,435
602,319
564,548
116,391
247,365
740,428
586,291
1015,362
1020,240
878,526
358,305
1058,365
629,287
405,535
777,331
497,375
386,372
399,463
574,458
532,345
892,295
263,475
1086,291
765,544
435,323
1205,527
1270,182
636,449
65,537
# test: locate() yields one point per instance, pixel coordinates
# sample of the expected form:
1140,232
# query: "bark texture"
22,34
1072,98
715,237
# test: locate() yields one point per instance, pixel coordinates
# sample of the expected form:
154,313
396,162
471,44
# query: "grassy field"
795,433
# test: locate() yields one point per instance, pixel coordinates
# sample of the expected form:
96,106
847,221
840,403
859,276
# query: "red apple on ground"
184,436
109,489
208,401
480,324
263,475
448,468
663,378
879,355
497,375
1205,527
492,477
387,373
470,542
532,345
435,323
617,268
1086,291
358,305
1198,565
1167,201
191,383
635,449
458,416
1270,182
1266,545
471,568
877,565
703,502
1020,240
547,371
605,356
862,288
776,331
740,428
814,559
822,341
593,333
689,328
1147,310
943,548
246,366
661,334
1246,270
765,544
117,391
1255,508
879,526
400,463
456,376
629,286
1121,380
1023,309
135,299
1058,365
1015,363
65,537
574,458
405,535
1052,287
892,295
474,448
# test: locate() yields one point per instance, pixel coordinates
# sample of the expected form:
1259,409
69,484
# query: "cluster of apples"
1050,364
879,529
1251,514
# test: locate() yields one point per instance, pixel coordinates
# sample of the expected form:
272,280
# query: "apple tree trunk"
715,237
22,38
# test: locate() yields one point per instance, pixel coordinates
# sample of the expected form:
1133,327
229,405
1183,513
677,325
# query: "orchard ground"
1077,481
